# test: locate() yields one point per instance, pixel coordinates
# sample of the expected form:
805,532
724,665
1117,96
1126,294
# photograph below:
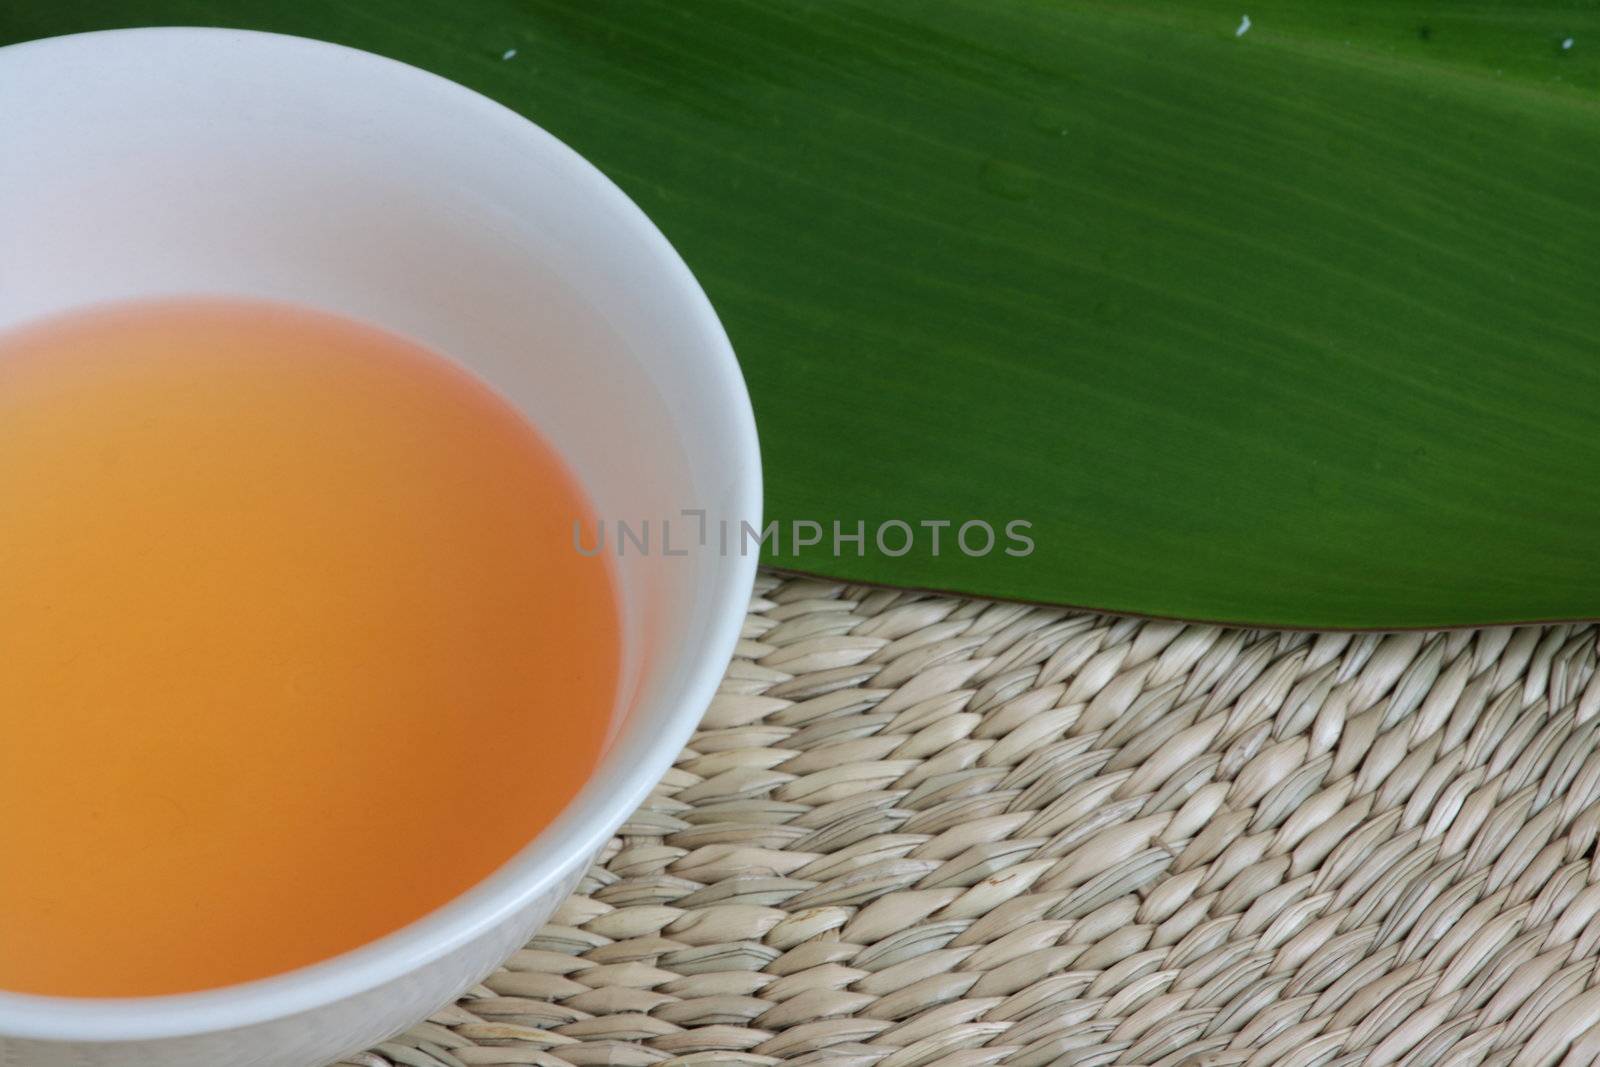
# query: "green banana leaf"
1270,312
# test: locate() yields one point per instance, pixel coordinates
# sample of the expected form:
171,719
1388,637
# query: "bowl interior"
167,162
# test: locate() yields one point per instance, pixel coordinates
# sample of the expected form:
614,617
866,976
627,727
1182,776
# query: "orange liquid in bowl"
294,643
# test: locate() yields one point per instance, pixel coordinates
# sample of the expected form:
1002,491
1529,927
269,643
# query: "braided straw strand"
924,831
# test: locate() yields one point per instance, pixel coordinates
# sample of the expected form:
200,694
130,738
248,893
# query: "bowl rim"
631,767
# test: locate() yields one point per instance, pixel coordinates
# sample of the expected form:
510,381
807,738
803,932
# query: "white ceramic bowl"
139,163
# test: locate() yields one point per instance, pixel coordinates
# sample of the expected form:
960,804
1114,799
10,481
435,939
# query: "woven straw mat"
922,831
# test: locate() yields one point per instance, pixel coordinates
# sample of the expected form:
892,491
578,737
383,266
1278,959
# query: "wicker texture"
920,831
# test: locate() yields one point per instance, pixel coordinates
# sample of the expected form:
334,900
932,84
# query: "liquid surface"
294,645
